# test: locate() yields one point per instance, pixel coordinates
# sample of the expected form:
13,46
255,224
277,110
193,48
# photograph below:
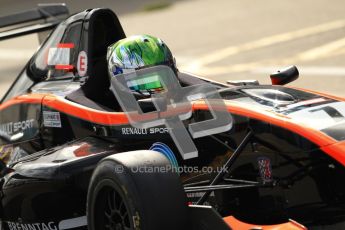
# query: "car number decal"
328,118
82,63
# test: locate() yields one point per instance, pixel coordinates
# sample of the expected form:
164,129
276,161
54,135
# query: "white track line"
330,49
264,42
322,51
307,70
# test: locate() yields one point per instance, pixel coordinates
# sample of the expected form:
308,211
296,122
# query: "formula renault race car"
71,157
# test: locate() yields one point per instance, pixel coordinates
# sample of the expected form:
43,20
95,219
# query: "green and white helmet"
137,52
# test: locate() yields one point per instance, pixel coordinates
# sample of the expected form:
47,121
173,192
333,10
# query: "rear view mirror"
284,76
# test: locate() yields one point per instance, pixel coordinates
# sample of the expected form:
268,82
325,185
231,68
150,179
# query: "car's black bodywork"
50,164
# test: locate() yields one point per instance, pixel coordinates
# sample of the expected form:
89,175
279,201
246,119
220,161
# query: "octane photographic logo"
173,106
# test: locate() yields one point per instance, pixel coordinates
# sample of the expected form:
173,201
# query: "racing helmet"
137,52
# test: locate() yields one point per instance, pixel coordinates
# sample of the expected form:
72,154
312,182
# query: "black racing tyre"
120,197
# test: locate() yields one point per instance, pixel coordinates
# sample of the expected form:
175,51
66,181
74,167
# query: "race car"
72,159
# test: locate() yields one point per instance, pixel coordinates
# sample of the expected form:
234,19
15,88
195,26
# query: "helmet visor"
147,84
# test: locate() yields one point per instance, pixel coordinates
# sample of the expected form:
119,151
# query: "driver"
137,52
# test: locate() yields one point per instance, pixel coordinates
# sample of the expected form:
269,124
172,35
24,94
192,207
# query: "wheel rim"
116,213
112,210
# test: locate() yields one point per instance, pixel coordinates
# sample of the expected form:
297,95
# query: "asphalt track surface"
224,39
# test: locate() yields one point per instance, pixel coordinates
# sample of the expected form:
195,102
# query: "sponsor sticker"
265,169
198,194
59,56
51,119
36,226
62,225
138,131
15,127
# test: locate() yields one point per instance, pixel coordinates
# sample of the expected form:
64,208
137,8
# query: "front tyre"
136,190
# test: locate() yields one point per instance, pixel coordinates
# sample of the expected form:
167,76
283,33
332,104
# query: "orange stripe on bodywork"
85,113
120,118
319,93
239,225
337,151
23,99
329,145
280,120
